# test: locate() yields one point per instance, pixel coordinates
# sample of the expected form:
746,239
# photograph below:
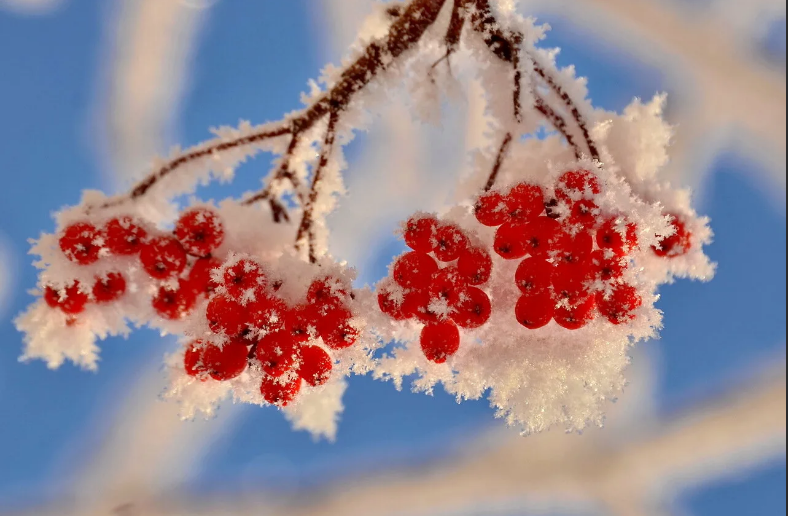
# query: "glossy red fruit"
473,310
678,243
447,284
534,276
82,242
576,316
419,233
541,236
200,231
440,340
584,213
607,268
267,313
163,257
510,241
450,242
125,236
301,321
277,352
491,209
414,269
574,248
279,391
226,315
534,311
336,330
619,306
175,303
201,275
475,266
571,281
243,276
225,362
618,235
70,300
424,304
392,302
327,291
192,359
577,184
315,367
525,202
109,288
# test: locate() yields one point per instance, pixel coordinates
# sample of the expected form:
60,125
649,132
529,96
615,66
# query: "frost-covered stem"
408,28
570,104
556,121
306,228
498,161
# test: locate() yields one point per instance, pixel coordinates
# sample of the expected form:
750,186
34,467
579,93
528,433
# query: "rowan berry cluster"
181,261
259,330
443,298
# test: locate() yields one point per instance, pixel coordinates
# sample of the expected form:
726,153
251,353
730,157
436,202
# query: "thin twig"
498,161
306,228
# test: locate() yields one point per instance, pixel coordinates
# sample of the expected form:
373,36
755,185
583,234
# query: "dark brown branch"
405,31
306,228
570,104
556,121
507,140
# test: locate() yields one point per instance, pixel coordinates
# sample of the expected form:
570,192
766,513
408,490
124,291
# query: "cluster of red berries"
185,255
444,298
260,329
574,258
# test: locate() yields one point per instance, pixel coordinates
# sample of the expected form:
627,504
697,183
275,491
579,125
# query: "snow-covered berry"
174,303
419,233
315,365
125,235
440,340
450,242
491,209
82,243
200,231
475,265
279,391
163,257
109,287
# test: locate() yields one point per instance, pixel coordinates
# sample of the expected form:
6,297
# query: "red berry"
570,281
414,269
201,277
617,235
510,241
440,340
534,276
450,242
81,243
174,303
584,213
475,266
192,358
70,300
577,184
607,269
677,244
315,367
392,303
491,209
109,288
575,316
226,362
534,311
226,315
574,248
163,257
473,310
267,313
525,202
277,352
279,391
200,231
327,291
244,275
541,236
299,321
421,301
124,236
618,306
336,330
447,284
420,233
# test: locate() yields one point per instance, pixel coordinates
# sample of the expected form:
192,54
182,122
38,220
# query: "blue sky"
252,62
